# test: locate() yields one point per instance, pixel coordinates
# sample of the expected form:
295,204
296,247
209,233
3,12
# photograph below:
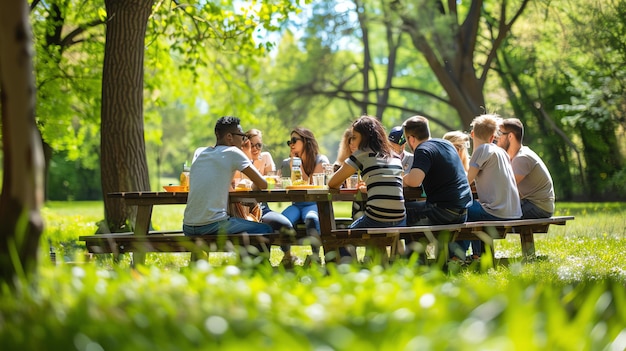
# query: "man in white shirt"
210,181
533,179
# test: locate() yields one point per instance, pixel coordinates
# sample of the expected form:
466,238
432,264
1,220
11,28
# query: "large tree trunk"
124,165
22,194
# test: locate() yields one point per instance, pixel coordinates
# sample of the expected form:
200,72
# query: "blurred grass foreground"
572,299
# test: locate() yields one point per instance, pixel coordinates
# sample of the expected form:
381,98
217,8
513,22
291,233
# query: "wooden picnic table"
146,200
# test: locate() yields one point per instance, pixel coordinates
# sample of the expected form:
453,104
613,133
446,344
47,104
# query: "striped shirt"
383,177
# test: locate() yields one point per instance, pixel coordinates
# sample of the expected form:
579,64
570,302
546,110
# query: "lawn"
574,298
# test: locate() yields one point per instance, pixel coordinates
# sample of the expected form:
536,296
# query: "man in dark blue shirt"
438,169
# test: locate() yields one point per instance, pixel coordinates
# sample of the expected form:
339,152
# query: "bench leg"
528,244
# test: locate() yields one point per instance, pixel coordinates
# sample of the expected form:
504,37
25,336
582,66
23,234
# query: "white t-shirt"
210,180
495,182
537,186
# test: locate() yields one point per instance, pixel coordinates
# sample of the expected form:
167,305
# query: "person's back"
491,170
382,176
438,169
445,183
210,182
211,173
495,182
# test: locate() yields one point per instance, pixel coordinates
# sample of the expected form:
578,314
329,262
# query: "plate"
305,187
176,188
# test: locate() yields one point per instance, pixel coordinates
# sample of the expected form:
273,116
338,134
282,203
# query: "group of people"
511,181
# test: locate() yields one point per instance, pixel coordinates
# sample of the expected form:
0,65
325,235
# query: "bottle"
296,171
184,176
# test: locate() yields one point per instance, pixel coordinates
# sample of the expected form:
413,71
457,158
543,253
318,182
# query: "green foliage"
574,298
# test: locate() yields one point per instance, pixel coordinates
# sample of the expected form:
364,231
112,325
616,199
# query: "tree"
123,159
457,45
22,194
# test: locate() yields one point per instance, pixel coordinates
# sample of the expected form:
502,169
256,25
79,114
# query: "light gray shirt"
495,182
537,186
209,182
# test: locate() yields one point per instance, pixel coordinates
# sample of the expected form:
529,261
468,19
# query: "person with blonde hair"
490,168
346,148
461,142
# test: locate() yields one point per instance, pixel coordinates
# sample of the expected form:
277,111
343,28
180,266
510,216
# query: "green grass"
574,298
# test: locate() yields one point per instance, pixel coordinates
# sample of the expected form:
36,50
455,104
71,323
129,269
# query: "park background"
558,66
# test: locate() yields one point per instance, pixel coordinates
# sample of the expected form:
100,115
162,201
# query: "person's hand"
362,187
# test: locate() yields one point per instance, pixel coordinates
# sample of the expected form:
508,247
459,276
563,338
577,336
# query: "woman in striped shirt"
381,171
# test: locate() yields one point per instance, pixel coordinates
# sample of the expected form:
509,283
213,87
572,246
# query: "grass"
572,299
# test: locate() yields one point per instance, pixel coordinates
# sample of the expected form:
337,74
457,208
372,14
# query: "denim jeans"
366,222
232,225
530,210
303,212
474,214
426,213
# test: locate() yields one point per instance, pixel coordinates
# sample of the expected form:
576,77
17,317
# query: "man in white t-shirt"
210,181
534,181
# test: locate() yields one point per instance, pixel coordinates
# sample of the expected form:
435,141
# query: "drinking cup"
352,182
319,179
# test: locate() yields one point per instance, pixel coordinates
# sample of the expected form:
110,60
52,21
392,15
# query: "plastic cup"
319,179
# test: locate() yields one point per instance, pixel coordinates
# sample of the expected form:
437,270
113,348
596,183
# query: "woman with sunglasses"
303,145
264,163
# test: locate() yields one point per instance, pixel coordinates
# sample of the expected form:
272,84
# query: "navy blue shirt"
445,183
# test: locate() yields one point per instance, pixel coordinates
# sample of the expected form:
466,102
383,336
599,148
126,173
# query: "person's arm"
340,176
519,178
256,177
471,174
270,166
414,178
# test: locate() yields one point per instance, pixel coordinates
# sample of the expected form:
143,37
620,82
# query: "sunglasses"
257,145
293,141
243,136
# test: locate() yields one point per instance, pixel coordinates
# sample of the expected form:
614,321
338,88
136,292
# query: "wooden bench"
441,235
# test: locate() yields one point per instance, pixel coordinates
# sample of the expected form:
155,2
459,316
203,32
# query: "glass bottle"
296,171
184,175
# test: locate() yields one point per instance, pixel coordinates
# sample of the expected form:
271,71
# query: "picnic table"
142,239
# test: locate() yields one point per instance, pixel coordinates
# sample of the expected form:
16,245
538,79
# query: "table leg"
142,227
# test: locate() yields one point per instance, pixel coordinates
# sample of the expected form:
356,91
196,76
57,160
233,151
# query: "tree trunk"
23,180
124,165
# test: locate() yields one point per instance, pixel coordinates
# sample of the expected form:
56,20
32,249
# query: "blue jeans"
474,214
232,225
530,210
303,212
276,220
366,222
426,213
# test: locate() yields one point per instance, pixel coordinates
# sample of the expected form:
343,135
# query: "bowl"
175,188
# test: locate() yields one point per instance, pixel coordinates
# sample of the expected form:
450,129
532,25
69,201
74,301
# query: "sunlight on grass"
572,298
